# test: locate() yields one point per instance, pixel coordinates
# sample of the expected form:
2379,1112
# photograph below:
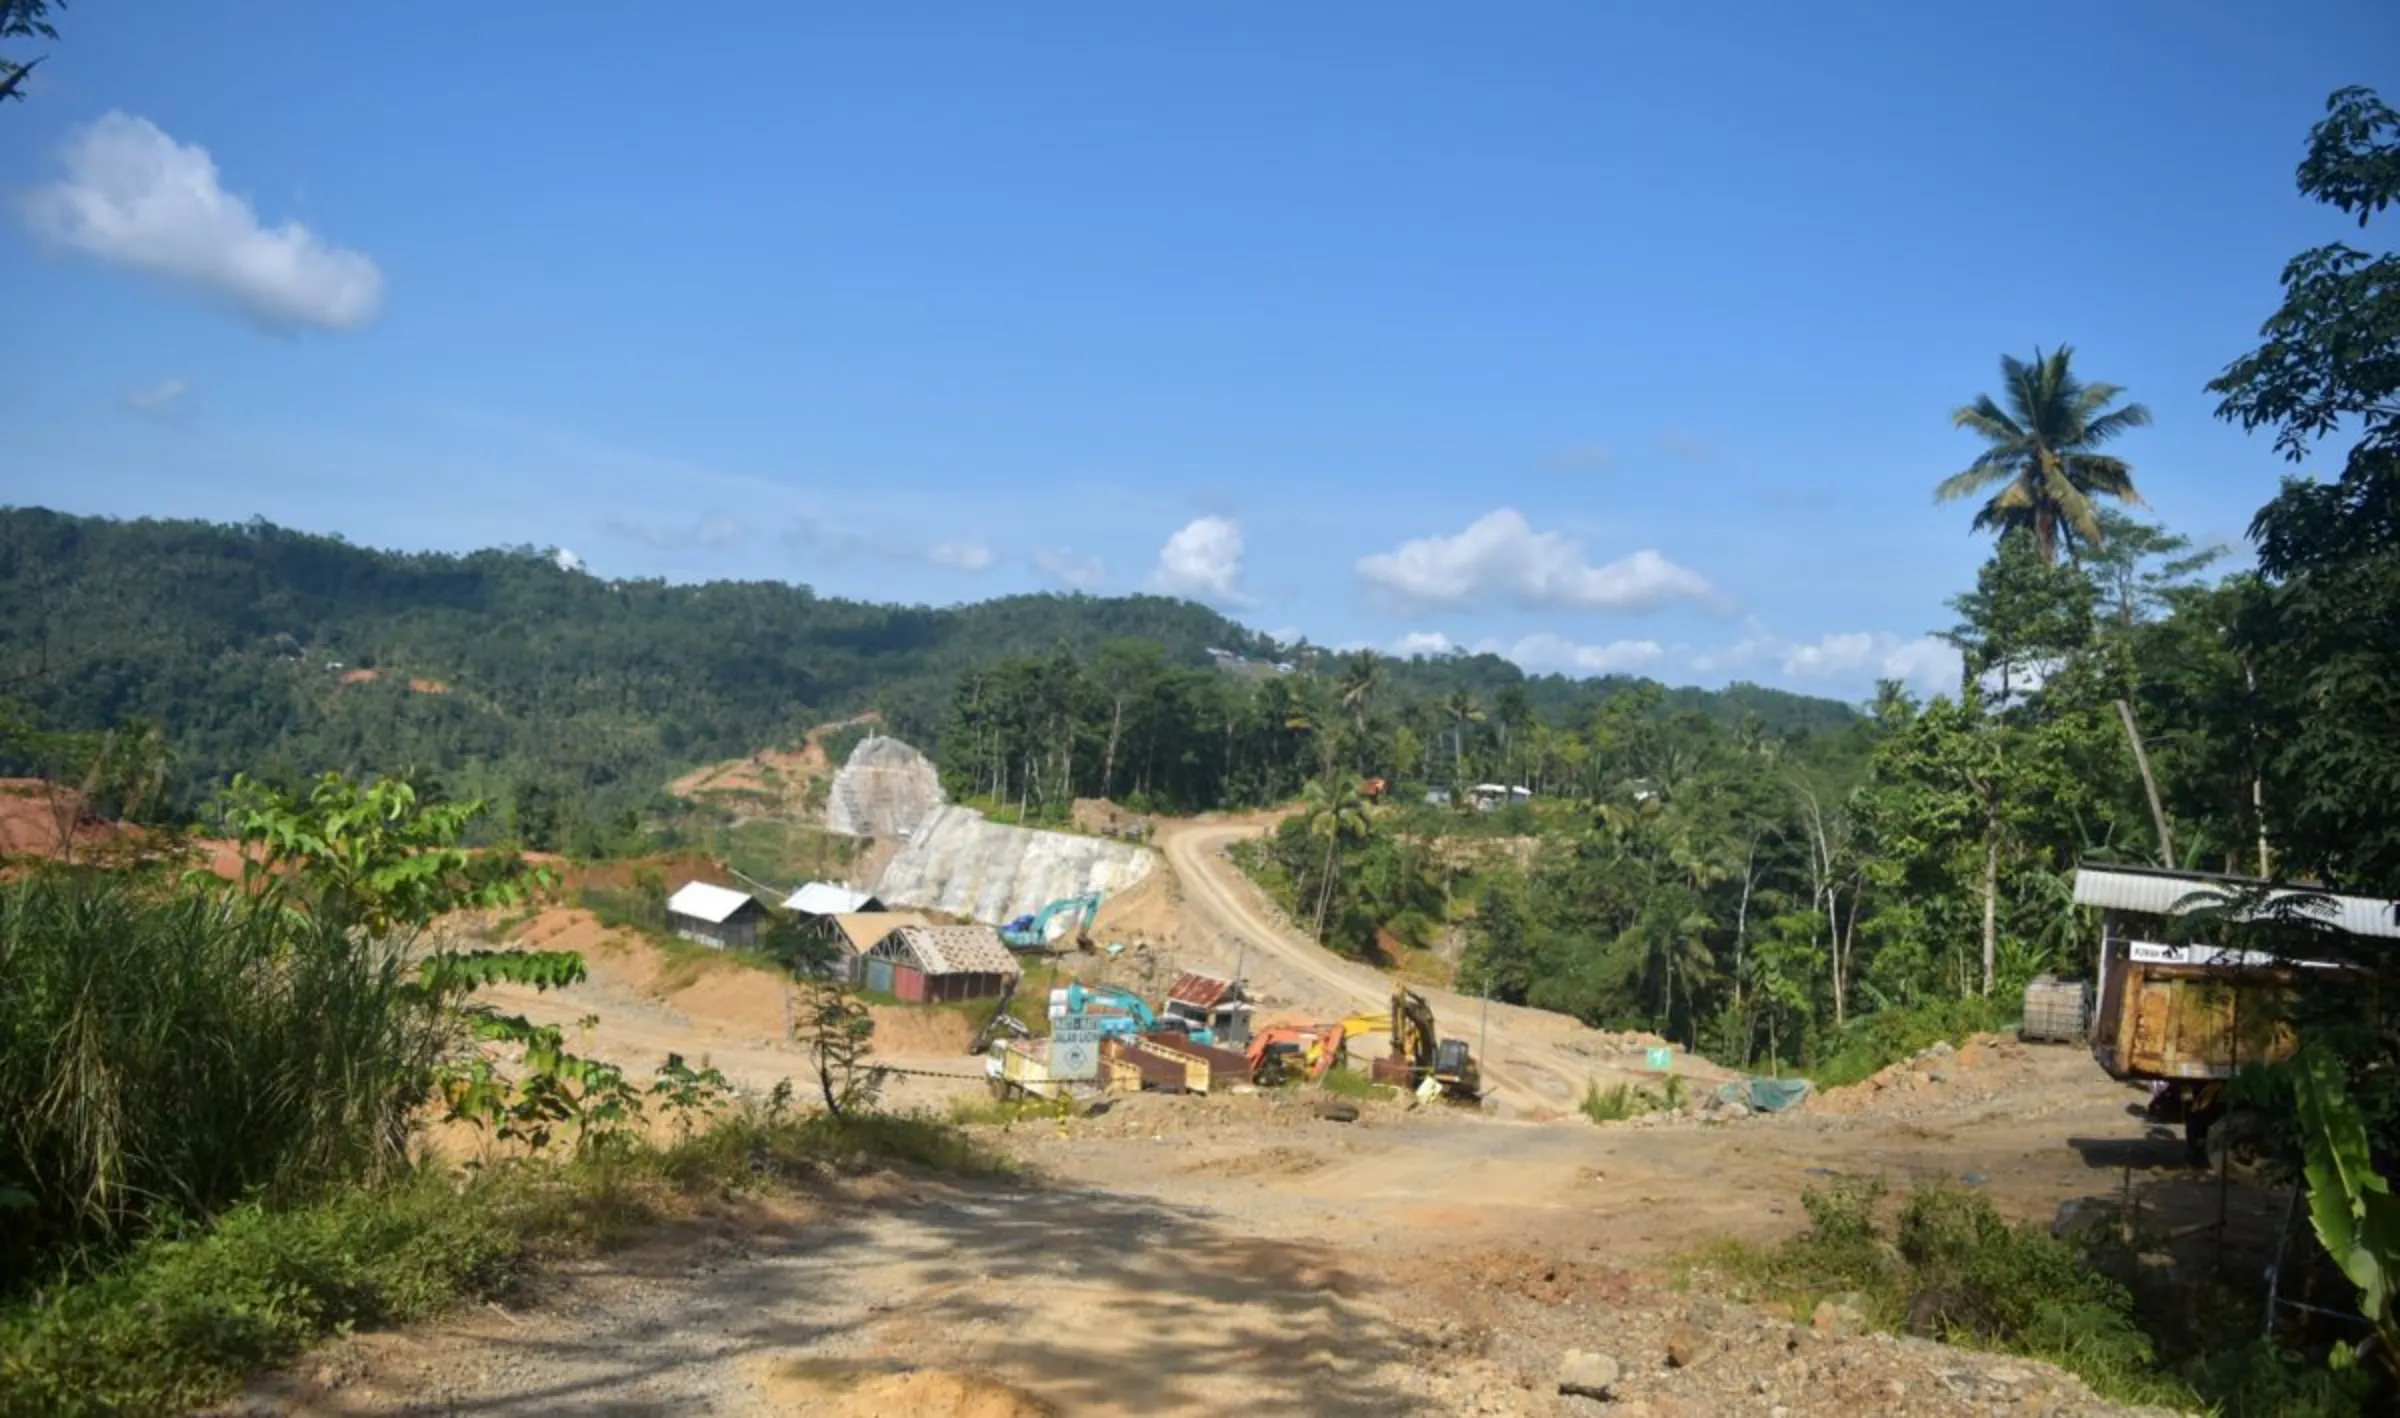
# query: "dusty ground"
1238,1254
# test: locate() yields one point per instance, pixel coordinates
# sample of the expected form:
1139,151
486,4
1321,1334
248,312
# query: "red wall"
908,982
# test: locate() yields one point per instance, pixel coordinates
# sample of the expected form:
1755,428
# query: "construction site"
1249,1176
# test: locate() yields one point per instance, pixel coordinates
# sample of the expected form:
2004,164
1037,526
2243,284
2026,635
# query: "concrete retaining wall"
961,862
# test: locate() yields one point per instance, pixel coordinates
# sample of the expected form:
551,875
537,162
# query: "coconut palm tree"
1460,708
2040,467
1336,811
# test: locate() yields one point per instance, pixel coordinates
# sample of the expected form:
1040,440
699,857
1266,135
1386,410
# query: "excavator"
1033,932
1289,1051
1124,1012
1001,1021
1448,1062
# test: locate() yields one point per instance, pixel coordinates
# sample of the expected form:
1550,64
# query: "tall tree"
2039,461
2324,636
23,19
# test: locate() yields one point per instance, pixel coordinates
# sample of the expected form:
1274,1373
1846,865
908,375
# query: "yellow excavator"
1418,1048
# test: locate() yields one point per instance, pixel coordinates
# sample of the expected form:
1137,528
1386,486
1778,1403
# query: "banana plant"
2350,1204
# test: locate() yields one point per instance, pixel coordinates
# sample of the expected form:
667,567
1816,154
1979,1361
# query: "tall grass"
167,1054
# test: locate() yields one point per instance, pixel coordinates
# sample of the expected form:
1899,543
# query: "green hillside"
245,643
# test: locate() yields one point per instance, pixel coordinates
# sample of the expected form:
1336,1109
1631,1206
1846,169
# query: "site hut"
820,905
933,964
855,933
1206,1002
715,915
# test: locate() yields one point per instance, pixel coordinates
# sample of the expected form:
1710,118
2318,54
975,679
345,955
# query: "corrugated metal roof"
2164,893
1201,991
826,898
863,928
959,950
704,902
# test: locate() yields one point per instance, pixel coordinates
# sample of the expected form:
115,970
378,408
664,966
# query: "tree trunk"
1108,761
1325,883
1741,929
2258,787
2158,808
1991,889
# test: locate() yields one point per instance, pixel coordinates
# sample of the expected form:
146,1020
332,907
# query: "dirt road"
1535,1064
1239,1255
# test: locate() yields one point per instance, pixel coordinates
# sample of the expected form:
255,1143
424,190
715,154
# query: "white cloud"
162,401
134,197
1500,554
963,556
1539,653
1077,573
716,531
1425,642
1202,562
1543,652
1853,659
566,560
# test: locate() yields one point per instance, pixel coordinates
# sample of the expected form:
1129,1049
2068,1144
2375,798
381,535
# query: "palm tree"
2040,466
1336,811
1363,678
1460,708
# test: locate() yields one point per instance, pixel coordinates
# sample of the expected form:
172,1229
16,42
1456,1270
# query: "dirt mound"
931,1393
887,789
1102,818
773,781
1979,1070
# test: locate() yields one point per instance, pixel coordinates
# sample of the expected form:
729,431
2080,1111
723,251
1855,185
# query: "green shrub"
1953,1268
1351,1083
1874,1042
165,1054
180,1321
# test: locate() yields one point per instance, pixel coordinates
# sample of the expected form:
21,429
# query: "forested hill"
245,644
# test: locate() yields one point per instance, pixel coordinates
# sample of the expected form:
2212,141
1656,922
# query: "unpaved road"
1237,1255
1536,1064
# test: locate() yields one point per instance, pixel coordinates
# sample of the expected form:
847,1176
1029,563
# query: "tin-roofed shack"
715,915
1206,1002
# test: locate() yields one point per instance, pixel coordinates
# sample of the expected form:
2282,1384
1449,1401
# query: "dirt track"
1536,1064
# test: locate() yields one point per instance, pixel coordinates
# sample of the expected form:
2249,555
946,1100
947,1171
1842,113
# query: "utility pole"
1483,1029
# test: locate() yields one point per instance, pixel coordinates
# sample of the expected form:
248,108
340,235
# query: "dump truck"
2184,1017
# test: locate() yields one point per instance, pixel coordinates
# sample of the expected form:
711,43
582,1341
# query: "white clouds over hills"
1202,561
134,197
1500,557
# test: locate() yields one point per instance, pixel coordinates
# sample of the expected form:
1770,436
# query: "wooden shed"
715,915
929,964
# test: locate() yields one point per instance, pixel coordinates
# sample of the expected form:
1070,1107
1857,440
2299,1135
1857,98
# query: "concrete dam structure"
961,862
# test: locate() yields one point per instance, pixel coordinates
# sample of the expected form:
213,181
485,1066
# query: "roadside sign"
1661,1060
1075,1048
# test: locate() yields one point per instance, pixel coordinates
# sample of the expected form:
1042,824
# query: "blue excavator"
1033,932
1122,1012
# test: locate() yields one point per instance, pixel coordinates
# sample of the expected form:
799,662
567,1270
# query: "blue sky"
1615,337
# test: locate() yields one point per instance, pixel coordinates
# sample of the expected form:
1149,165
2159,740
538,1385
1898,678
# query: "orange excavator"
1287,1052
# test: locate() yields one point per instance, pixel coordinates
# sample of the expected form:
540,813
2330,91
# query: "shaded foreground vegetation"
1942,1263
186,1315
210,1094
